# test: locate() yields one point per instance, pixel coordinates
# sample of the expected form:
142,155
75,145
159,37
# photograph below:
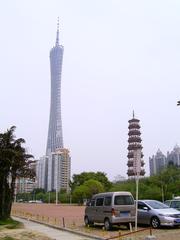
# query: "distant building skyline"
159,161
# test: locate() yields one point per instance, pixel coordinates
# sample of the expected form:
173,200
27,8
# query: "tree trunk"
7,198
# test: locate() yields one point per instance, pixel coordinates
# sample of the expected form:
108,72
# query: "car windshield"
156,204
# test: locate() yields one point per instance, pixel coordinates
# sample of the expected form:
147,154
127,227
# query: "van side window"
92,202
99,201
123,200
107,201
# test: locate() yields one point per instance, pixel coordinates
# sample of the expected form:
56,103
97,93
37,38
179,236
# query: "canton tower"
55,135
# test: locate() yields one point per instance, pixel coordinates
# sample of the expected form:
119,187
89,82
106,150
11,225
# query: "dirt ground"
72,217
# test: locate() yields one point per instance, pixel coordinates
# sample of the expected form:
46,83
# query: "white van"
110,208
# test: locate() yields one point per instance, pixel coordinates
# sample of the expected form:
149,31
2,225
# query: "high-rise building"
135,155
42,172
157,163
59,164
54,169
173,158
55,135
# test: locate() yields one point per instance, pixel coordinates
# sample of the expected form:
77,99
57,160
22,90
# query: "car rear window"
123,200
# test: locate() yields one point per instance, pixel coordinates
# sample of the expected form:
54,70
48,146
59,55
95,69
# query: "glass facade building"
55,135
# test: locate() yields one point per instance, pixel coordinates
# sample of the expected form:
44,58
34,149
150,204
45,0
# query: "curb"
63,229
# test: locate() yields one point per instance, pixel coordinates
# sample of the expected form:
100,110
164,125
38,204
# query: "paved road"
55,234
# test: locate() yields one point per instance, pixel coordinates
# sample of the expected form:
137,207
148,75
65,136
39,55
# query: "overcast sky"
118,56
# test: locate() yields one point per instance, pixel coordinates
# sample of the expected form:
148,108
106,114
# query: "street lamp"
178,103
49,197
137,171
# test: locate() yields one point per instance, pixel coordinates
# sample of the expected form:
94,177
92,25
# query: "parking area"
72,216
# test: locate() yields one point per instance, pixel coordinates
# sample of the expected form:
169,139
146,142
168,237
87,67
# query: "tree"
93,187
167,180
86,190
14,162
79,179
161,187
39,190
80,193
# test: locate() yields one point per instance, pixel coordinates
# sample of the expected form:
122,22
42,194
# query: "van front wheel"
107,224
87,222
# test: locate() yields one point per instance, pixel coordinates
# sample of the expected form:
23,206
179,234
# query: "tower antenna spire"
57,33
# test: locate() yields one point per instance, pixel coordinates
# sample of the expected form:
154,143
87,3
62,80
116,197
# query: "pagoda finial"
57,33
133,113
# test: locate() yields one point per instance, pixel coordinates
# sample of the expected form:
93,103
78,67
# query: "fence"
132,234
62,222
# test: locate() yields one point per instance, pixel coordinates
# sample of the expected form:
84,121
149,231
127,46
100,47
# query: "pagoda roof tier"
134,140
130,163
134,125
133,120
142,163
134,132
130,172
131,154
134,146
142,173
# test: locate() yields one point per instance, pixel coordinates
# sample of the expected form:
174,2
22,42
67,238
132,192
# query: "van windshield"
123,200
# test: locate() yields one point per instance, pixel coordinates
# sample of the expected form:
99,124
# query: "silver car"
157,214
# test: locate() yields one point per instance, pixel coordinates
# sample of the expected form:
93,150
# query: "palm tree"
14,162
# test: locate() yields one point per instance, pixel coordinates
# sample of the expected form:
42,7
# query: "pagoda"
134,147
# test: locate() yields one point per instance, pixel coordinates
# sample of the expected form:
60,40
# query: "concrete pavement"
53,233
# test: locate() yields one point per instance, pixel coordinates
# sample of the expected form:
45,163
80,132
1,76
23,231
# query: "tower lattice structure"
55,133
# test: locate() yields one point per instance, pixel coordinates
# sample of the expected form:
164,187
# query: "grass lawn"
10,224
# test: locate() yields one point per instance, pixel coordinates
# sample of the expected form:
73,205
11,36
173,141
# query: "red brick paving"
70,213
51,210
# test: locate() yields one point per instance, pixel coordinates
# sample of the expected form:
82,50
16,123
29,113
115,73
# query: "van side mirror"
145,208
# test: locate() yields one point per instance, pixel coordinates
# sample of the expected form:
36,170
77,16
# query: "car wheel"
107,224
86,220
155,223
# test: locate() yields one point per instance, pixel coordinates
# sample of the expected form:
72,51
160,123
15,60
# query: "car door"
143,213
91,210
99,210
